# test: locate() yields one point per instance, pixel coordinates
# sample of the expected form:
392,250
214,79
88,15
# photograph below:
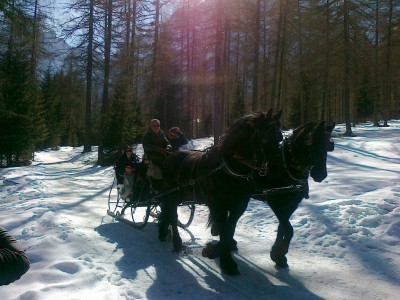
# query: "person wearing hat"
124,169
176,138
156,146
13,261
155,143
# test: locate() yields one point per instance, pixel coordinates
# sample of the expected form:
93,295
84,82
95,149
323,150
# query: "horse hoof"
211,251
283,265
232,270
280,261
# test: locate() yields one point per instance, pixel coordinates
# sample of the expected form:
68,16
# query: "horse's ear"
269,114
302,132
331,126
278,115
305,134
321,124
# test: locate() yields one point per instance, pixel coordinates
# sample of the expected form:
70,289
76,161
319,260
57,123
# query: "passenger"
124,171
13,261
176,138
155,146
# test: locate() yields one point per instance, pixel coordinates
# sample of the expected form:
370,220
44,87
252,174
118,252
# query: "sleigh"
139,203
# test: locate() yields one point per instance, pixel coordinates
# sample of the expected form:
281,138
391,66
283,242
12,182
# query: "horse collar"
305,170
248,177
250,164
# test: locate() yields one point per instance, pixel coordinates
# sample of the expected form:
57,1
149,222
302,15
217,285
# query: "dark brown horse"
222,177
304,154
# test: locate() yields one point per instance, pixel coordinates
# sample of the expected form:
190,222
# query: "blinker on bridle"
254,165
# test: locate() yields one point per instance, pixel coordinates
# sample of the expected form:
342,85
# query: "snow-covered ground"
346,242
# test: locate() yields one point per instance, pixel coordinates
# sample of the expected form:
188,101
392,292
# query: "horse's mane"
302,130
245,121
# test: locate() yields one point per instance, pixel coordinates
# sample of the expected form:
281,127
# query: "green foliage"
39,128
123,125
70,91
365,105
16,138
52,113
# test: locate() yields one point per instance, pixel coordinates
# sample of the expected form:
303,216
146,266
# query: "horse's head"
311,144
268,135
253,141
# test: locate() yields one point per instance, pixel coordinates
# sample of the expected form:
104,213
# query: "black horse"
221,177
304,154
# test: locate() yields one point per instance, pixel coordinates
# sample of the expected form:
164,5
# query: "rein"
262,171
300,186
282,190
248,177
305,171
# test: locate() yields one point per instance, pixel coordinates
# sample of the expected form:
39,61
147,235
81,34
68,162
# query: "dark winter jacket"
122,162
13,261
178,141
155,145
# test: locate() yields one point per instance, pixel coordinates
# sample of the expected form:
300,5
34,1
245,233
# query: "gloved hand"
168,150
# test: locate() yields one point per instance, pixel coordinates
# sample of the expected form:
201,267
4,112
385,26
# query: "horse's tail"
211,223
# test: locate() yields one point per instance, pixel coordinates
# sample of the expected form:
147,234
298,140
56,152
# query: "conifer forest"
94,72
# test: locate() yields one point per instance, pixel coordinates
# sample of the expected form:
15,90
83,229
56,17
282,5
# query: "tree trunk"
282,58
106,79
34,41
377,102
89,71
274,101
388,78
256,55
218,87
346,95
325,87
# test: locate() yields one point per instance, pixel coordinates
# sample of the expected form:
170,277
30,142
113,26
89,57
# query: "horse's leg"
233,218
281,245
173,213
214,229
228,265
212,250
169,216
285,231
227,231
164,220
218,219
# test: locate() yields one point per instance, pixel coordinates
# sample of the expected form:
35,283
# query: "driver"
156,146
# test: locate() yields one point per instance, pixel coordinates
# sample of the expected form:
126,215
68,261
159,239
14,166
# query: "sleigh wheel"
185,214
140,206
115,202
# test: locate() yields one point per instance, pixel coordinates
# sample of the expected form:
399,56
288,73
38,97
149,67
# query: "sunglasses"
155,125
128,150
